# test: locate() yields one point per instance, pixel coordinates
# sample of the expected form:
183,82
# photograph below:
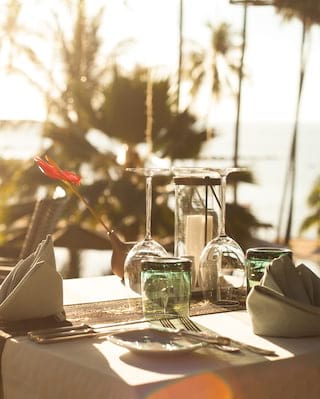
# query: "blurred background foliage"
97,125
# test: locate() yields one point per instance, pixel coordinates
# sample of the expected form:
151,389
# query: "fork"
167,323
192,326
189,325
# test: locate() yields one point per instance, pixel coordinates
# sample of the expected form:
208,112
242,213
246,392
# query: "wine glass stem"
223,188
148,207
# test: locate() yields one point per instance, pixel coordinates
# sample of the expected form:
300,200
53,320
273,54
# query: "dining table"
97,368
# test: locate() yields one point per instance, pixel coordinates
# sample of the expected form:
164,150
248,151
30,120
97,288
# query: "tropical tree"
313,219
308,12
71,97
180,52
123,115
91,95
127,95
239,96
14,36
216,67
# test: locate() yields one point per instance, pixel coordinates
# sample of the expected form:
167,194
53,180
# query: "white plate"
154,341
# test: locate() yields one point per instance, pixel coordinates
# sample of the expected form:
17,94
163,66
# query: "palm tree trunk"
74,263
291,173
180,55
237,128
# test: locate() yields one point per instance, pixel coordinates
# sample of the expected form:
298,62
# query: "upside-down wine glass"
148,246
221,267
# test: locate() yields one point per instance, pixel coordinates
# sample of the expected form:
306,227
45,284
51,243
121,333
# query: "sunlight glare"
205,386
121,154
59,192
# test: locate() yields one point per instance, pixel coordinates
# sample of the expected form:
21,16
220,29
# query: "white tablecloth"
94,289
96,369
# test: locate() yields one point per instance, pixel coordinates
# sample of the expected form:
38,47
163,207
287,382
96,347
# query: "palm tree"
126,95
239,97
313,220
12,33
217,66
93,95
308,11
180,63
71,104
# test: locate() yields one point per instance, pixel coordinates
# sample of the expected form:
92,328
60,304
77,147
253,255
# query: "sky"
272,56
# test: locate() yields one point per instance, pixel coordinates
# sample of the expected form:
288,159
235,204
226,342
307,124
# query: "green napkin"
287,301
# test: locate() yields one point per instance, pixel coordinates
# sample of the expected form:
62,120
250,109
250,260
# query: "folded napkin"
33,289
286,303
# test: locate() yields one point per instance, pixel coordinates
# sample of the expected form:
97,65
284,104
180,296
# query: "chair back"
43,221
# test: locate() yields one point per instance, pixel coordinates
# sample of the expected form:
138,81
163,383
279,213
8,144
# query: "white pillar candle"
195,238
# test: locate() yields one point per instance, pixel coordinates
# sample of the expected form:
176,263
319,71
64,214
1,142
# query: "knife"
82,326
78,330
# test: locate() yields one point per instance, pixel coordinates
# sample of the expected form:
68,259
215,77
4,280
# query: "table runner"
130,309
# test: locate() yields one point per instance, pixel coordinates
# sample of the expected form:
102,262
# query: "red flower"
52,170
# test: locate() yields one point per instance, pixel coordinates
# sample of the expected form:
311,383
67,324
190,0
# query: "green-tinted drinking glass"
165,287
257,259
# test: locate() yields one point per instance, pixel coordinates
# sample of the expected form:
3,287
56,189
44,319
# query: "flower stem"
93,213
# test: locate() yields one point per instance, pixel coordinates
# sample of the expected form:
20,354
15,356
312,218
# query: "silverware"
191,329
167,323
221,343
66,336
51,335
91,332
189,324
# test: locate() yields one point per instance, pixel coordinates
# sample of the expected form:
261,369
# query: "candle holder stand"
196,219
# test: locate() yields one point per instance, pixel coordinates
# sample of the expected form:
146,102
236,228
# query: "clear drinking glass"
148,246
221,268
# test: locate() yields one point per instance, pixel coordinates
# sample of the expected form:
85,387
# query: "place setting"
172,299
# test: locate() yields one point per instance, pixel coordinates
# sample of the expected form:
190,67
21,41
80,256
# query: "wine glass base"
132,266
222,272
